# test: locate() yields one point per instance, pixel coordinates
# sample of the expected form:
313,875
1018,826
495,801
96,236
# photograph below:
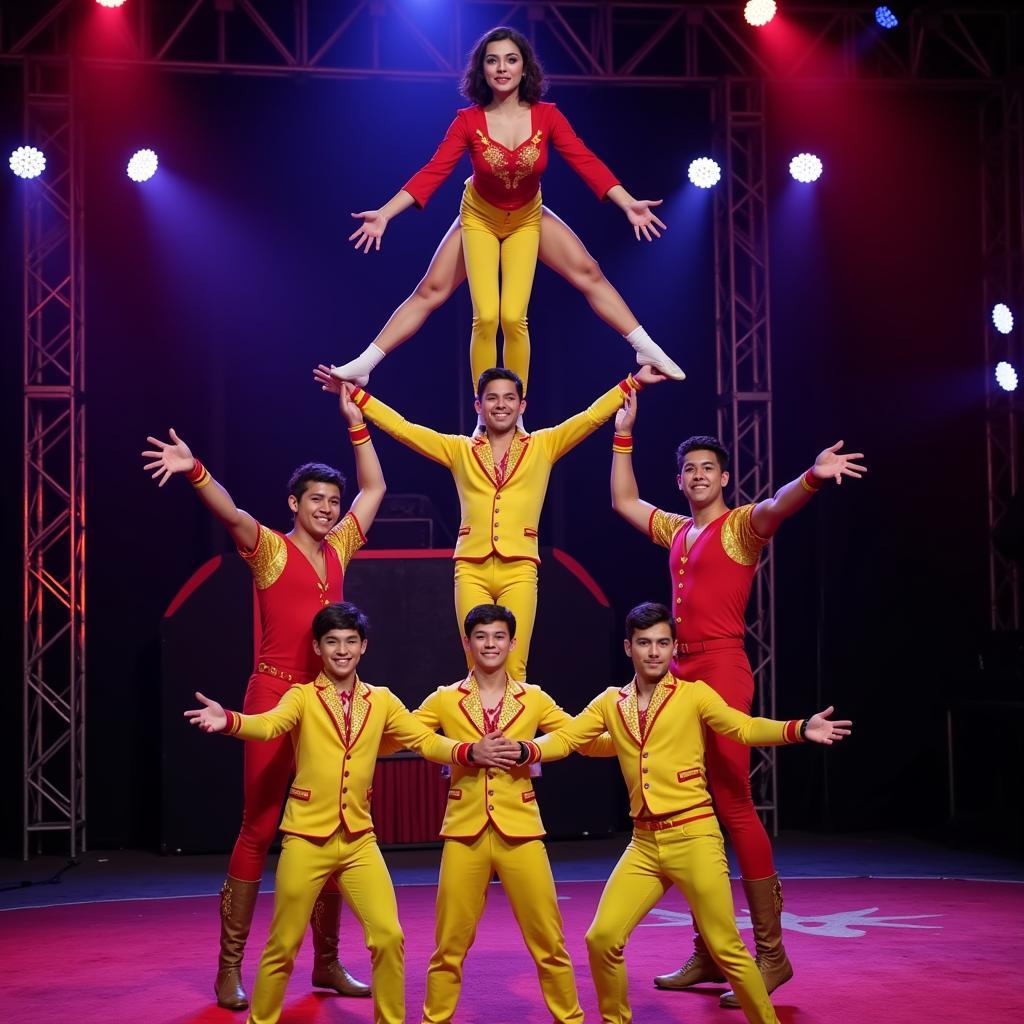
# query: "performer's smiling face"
503,66
489,645
651,651
318,510
500,406
702,478
340,650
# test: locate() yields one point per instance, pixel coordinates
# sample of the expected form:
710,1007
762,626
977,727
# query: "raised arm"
174,456
602,181
266,726
369,475
626,498
831,464
417,190
563,438
439,447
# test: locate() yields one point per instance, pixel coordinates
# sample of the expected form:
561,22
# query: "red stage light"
760,12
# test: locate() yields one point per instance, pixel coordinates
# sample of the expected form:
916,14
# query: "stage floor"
881,928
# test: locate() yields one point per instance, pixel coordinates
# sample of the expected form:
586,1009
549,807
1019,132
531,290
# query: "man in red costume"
713,556
296,575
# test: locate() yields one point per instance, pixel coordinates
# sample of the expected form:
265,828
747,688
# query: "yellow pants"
511,583
467,867
691,857
505,240
366,887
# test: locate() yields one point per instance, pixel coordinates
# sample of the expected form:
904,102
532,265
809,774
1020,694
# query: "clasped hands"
496,750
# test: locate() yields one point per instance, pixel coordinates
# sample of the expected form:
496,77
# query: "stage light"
110,3
704,172
27,162
1002,318
759,12
142,165
1006,376
885,17
805,167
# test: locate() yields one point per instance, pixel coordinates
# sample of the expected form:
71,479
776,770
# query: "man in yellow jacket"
340,723
492,822
502,479
656,723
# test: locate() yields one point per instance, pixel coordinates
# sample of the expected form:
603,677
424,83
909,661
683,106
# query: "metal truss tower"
54,464
1001,121
743,369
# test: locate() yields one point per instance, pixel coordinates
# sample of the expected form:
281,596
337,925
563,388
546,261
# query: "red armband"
359,434
198,476
622,443
360,397
810,483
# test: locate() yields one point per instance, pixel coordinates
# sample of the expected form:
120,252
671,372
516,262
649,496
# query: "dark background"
215,287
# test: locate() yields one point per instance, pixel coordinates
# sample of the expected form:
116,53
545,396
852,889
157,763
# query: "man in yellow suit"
502,479
492,822
656,723
340,723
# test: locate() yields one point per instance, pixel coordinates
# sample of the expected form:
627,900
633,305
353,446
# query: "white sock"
650,353
358,370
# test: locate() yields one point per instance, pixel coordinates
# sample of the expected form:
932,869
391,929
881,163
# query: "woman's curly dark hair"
474,84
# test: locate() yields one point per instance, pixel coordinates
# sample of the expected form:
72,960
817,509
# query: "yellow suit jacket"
664,766
498,518
334,765
478,797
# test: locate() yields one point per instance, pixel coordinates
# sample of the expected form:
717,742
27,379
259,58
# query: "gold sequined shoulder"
266,560
739,539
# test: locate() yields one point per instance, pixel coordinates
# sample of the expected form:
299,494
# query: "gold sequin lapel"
470,703
332,702
516,453
511,705
665,688
628,711
485,456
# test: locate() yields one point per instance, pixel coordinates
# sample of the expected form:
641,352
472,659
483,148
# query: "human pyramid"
680,728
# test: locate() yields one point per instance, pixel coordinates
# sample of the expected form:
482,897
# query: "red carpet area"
886,951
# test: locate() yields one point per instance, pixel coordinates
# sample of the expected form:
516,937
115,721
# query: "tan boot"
764,895
327,971
237,902
700,967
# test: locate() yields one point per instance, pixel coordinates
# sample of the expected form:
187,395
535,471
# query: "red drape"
409,796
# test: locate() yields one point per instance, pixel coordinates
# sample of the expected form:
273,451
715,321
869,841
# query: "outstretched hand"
210,718
639,214
370,231
649,375
831,464
170,457
626,416
496,751
821,730
322,376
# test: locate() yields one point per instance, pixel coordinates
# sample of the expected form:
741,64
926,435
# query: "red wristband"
359,434
622,443
809,482
199,475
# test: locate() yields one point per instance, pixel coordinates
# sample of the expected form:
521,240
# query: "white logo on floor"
846,924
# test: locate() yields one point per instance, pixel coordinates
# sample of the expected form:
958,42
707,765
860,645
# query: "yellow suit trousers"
691,857
365,886
510,582
505,240
467,866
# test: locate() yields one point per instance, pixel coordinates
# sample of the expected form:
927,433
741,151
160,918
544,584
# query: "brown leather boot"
237,902
700,967
764,895
327,971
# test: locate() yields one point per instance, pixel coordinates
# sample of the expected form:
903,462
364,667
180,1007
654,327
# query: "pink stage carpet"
866,950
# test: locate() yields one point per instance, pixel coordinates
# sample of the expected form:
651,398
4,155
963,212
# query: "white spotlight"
27,162
759,12
1006,376
704,172
1002,318
805,167
142,165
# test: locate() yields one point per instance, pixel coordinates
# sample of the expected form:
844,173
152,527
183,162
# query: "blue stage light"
805,167
704,172
1002,318
885,17
1006,376
27,162
142,165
